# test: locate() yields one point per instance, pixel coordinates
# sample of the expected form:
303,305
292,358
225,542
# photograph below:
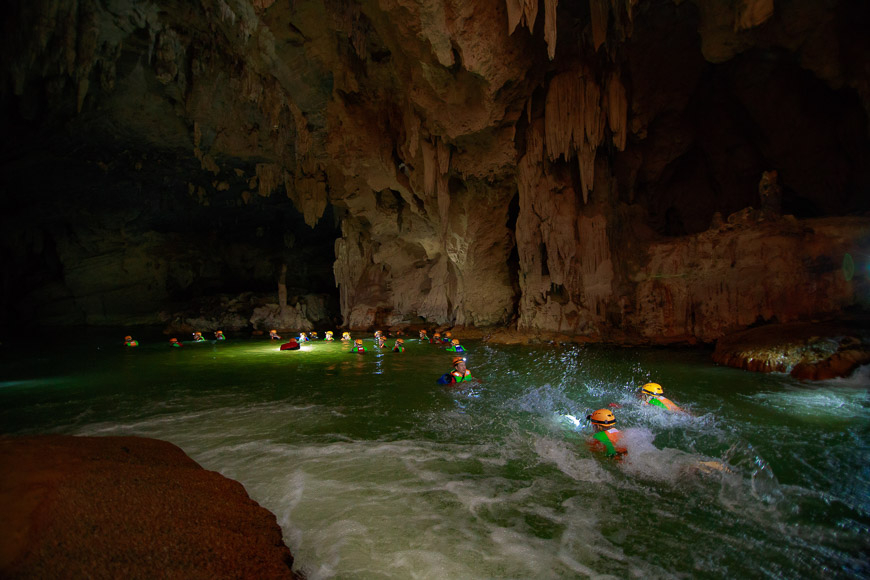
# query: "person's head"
197,334
602,419
173,340
400,341
650,390
423,331
218,331
358,342
459,363
437,335
128,338
273,331
447,334
455,342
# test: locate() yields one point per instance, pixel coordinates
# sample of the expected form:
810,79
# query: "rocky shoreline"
128,507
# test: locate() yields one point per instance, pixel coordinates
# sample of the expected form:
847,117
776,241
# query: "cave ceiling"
420,159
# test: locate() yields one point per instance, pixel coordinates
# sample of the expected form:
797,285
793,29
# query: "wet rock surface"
806,350
128,507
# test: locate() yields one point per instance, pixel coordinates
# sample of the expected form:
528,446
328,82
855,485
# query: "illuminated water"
375,471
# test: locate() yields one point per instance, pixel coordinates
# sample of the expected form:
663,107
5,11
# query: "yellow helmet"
329,332
652,389
603,418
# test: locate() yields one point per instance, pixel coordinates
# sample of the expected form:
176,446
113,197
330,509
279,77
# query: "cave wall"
566,168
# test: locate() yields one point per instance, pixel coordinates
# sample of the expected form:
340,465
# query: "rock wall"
557,167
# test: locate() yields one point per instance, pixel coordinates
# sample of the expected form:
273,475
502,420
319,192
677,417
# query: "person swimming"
447,338
173,342
399,346
423,335
219,335
303,337
358,346
313,335
652,394
197,337
605,435
345,335
129,341
290,345
459,374
273,334
328,336
455,346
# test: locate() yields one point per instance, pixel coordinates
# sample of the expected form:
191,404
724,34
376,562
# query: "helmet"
197,334
458,359
329,332
602,418
400,341
447,334
358,341
173,340
218,331
128,338
423,331
651,389
455,341
273,330
437,335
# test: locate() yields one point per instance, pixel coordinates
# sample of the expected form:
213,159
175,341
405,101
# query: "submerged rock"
128,507
807,350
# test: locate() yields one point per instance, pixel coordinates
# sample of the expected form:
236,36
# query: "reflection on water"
373,470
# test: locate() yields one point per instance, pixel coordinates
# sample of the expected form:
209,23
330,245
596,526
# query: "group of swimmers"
606,436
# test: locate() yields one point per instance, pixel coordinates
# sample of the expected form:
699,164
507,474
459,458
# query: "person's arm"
609,449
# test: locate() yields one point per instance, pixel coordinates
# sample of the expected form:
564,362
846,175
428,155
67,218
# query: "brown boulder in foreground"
128,507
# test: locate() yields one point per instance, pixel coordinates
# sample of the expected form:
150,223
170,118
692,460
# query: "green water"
375,471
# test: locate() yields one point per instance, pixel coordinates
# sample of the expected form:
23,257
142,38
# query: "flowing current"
375,471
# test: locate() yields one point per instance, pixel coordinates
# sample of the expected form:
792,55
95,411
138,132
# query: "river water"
375,471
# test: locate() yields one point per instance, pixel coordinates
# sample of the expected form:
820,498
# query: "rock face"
550,167
128,507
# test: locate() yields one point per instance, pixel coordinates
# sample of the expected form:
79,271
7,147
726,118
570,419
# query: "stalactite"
617,110
430,167
751,13
521,12
269,176
550,26
600,12
574,122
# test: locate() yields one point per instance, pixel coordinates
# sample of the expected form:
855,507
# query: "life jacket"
290,345
359,349
457,348
663,402
398,348
608,440
132,343
459,377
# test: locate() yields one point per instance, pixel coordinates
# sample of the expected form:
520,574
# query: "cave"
589,192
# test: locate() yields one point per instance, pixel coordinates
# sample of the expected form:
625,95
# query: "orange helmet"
128,338
400,341
173,340
358,341
602,418
458,359
652,389
447,334
273,330
437,335
455,341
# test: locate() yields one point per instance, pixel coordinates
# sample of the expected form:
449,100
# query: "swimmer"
290,345
345,336
219,335
173,342
447,338
651,394
303,337
423,335
399,346
273,334
605,434
197,337
436,338
314,335
328,336
128,341
455,346
459,374
380,341
358,346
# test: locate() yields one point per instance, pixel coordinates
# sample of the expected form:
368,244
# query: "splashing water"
373,470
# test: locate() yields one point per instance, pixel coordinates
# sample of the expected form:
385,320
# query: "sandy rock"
128,507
